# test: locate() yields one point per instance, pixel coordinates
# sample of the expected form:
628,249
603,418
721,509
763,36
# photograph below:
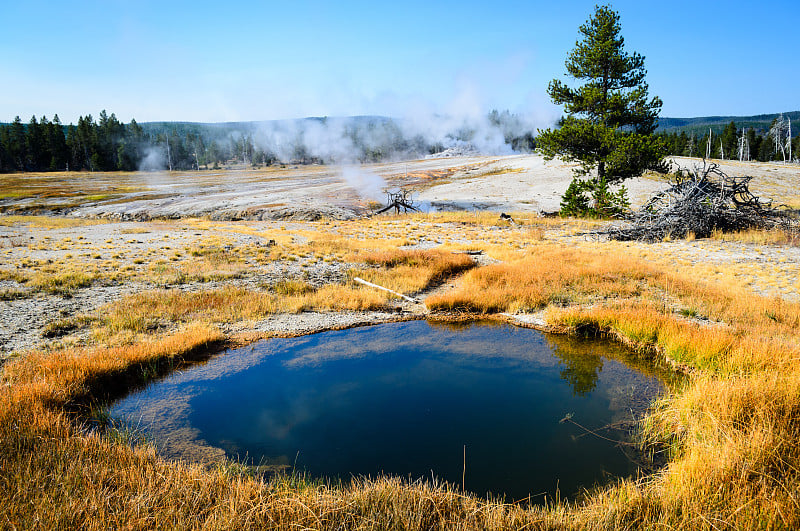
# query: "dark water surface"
410,399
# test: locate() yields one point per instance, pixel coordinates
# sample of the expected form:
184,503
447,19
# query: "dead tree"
701,201
744,146
781,133
169,154
398,200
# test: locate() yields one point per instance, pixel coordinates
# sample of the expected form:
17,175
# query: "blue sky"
249,60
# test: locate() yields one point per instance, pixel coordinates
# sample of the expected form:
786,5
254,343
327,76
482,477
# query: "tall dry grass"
413,271
149,310
760,236
404,271
551,275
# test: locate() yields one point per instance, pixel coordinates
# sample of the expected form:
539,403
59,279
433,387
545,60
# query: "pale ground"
522,183
136,247
305,192
537,187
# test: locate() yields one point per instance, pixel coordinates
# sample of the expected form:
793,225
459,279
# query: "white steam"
355,140
154,159
368,185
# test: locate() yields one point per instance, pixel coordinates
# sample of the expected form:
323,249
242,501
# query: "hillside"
701,125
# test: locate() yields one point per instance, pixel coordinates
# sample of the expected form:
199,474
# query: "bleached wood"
370,284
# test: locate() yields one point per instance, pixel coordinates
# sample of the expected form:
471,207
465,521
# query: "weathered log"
370,284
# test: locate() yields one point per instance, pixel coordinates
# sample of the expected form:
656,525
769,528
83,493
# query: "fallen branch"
370,284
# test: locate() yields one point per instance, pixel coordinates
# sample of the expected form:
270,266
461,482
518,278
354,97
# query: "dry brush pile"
701,201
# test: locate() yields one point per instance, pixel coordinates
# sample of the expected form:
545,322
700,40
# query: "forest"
774,143
107,144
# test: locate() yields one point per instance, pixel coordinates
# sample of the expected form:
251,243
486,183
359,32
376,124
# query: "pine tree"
56,145
610,119
6,164
728,139
754,141
17,146
683,144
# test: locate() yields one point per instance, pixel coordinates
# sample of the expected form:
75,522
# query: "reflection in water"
581,364
406,399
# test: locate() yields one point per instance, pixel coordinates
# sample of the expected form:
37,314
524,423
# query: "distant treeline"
109,145
701,124
738,142
104,145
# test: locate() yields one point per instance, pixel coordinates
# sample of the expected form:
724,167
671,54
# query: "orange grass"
64,375
414,271
148,310
760,236
550,276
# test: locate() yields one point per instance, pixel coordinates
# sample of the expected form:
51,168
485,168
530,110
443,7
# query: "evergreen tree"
682,145
753,140
131,149
17,145
610,119
705,147
765,149
86,150
72,148
6,164
729,141
59,155
36,139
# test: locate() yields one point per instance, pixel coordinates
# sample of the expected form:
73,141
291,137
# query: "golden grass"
61,283
489,219
48,222
501,171
148,311
550,276
759,236
413,271
67,375
14,275
406,271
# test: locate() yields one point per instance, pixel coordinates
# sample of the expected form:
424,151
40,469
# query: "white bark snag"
780,128
744,146
370,284
169,155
